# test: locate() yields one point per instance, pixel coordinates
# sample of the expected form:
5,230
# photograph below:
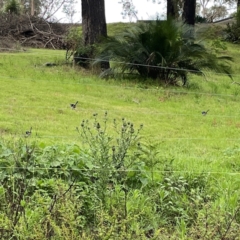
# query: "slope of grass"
37,96
33,95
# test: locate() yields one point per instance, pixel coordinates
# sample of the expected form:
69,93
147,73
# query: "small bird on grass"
28,133
74,105
204,113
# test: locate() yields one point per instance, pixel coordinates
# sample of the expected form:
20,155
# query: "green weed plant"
113,185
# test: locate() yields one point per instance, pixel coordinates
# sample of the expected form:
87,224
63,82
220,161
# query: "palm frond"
167,45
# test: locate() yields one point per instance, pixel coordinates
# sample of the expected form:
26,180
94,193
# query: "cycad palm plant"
163,50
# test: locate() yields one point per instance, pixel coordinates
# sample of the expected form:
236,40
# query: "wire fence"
208,139
82,82
196,114
125,170
157,66
205,168
136,64
154,112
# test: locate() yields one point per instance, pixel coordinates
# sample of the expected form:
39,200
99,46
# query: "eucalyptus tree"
45,9
216,12
186,7
93,21
50,7
210,9
94,26
32,7
217,7
70,10
189,11
129,9
238,13
174,9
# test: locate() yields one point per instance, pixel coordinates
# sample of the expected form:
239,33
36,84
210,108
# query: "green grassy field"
33,95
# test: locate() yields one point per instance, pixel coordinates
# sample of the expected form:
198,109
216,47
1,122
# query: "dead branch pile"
31,31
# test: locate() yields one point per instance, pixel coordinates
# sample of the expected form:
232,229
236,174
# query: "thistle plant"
111,153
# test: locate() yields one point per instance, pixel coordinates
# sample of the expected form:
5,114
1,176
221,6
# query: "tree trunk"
171,9
32,8
238,13
93,21
189,10
94,24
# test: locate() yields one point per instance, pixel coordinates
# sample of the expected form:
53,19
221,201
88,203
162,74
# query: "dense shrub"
13,7
200,19
232,31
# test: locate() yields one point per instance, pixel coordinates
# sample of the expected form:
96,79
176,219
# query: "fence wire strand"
142,89
125,170
138,64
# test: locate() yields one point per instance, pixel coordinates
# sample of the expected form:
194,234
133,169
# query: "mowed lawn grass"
33,95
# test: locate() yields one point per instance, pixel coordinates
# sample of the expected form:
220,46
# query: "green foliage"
177,192
200,19
232,31
12,6
82,55
73,41
162,49
62,198
111,156
112,186
34,181
227,226
210,31
218,45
